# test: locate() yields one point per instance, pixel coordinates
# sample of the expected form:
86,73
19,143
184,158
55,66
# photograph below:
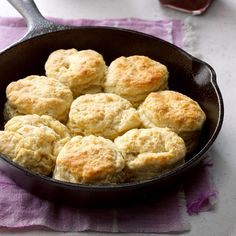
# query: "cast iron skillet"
188,75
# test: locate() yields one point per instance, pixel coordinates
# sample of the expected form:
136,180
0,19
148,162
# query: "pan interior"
187,75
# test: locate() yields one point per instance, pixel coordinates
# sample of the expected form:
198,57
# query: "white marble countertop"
216,42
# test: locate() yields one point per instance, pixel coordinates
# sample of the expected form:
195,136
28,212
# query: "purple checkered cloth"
170,213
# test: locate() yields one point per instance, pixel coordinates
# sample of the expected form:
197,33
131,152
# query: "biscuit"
82,71
34,141
150,152
102,114
134,77
89,160
176,111
38,95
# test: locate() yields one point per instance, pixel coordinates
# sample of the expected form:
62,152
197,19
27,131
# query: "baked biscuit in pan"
38,95
176,111
134,77
89,160
150,152
33,141
82,71
103,114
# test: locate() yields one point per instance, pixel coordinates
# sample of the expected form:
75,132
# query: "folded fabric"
170,212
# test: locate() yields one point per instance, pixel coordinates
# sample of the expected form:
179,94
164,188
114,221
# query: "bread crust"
90,159
176,111
38,95
150,152
103,114
82,71
135,77
34,141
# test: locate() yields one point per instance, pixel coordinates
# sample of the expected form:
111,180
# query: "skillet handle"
36,23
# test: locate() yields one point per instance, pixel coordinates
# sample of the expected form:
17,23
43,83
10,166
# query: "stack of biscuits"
88,123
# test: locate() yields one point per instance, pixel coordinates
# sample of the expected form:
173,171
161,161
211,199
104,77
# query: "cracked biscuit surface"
150,152
82,71
176,111
33,141
38,95
91,160
134,77
102,114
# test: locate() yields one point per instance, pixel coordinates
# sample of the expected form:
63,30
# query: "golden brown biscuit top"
76,69
135,75
173,110
90,158
66,64
142,71
39,95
